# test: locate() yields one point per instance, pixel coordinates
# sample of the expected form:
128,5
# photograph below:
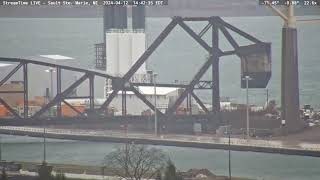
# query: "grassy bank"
89,170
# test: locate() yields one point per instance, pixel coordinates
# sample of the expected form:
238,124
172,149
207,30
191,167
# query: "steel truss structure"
215,24
60,97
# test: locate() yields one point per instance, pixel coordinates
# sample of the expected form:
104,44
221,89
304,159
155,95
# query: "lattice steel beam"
61,96
240,32
199,102
190,87
73,108
28,61
151,49
10,74
8,107
109,100
194,35
144,99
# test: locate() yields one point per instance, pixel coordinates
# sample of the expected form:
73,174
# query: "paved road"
207,139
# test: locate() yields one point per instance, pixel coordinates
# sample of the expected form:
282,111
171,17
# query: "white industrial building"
123,49
135,106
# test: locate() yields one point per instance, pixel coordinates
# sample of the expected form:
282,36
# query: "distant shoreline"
83,169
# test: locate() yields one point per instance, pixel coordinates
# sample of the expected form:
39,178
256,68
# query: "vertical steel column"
155,104
215,70
91,91
25,91
187,102
124,103
51,83
290,103
290,80
190,104
59,91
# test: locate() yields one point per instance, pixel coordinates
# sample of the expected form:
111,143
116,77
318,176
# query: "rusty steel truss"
214,26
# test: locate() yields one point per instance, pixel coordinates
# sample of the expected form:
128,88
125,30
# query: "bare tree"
135,162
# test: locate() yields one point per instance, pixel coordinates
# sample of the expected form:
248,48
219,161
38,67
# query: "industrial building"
165,97
123,48
40,77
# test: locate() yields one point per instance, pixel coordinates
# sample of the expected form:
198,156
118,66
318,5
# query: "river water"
75,38
246,164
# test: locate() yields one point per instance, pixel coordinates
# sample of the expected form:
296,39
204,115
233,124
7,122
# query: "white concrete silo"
138,48
125,52
123,49
112,54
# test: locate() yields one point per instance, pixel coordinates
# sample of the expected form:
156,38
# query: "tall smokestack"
120,17
114,17
138,17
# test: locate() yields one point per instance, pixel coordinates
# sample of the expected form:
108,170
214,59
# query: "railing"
168,137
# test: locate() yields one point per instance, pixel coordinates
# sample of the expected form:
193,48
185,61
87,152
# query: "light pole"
247,79
155,103
0,148
44,142
229,150
267,97
153,79
51,71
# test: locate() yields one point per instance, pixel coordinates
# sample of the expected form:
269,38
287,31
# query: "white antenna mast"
290,19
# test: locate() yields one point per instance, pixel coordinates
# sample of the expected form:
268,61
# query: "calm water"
246,164
75,38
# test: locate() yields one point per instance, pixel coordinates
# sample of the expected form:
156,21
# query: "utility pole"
51,83
267,97
44,143
229,151
51,71
155,104
0,148
153,79
248,78
126,159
